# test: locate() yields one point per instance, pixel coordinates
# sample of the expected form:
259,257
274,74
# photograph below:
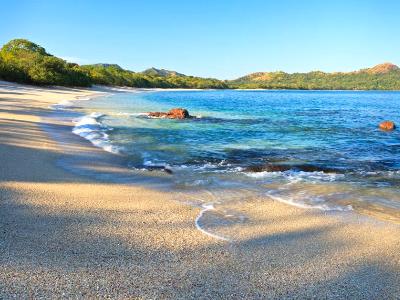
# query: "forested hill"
26,62
162,72
381,77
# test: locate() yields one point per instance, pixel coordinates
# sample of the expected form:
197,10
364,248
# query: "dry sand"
64,235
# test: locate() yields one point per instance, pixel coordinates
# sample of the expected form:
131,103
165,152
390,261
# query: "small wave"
389,173
302,204
209,165
213,167
296,176
64,104
265,174
91,128
149,163
313,176
67,104
290,180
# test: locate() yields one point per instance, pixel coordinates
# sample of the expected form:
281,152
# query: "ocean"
312,149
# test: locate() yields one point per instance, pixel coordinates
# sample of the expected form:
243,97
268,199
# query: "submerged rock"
314,168
387,125
157,114
158,168
175,113
268,168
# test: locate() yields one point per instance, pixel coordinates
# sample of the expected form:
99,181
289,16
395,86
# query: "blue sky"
222,39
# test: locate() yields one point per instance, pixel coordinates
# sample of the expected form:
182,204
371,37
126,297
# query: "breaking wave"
91,128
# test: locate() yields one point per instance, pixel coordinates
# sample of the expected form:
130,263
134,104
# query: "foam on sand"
206,208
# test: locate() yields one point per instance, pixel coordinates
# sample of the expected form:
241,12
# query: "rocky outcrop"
176,113
387,125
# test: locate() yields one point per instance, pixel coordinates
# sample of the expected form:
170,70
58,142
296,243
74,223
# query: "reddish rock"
176,113
387,126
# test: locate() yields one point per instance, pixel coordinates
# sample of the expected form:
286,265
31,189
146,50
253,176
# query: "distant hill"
381,77
115,66
382,69
161,72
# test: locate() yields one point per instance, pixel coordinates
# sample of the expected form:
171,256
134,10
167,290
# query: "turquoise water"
319,149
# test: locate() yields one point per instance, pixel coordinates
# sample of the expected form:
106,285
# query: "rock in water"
175,113
387,125
178,113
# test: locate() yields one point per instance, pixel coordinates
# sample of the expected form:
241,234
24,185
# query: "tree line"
26,62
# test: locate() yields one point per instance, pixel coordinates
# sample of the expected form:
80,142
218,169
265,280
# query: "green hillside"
381,77
161,72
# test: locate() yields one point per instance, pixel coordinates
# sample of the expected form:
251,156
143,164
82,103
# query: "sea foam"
296,176
206,208
91,128
301,204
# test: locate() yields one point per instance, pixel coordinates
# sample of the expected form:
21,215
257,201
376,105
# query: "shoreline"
111,158
116,164
361,209
144,180
68,235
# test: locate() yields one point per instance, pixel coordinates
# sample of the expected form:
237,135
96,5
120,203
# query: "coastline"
312,90
66,234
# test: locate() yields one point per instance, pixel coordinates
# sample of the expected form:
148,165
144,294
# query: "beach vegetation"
27,62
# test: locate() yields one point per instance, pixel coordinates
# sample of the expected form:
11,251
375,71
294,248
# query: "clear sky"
215,38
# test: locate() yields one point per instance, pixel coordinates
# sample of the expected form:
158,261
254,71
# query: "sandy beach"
67,235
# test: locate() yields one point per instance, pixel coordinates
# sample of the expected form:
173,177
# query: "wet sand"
63,234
